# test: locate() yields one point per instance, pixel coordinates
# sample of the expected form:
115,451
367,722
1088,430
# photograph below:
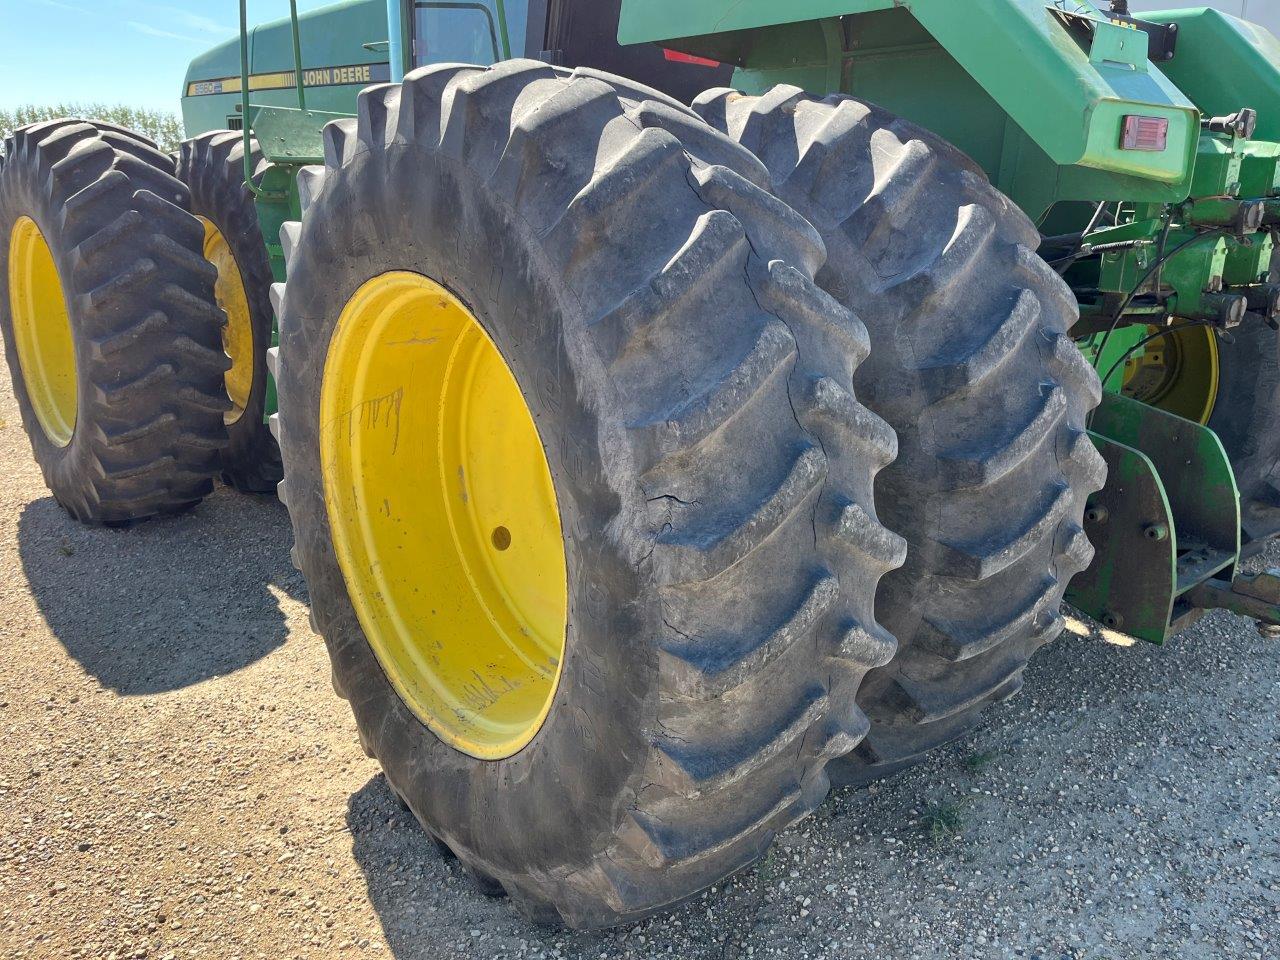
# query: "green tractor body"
344,50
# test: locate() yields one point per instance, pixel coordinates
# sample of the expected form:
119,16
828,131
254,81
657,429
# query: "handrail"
244,97
244,84
502,25
297,55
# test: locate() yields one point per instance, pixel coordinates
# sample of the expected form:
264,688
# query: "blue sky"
113,51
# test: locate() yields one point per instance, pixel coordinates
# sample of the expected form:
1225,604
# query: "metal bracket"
1162,38
1167,520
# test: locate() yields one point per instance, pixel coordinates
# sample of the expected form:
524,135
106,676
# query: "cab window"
466,31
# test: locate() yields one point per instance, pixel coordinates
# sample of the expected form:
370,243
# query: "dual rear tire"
711,653
212,168
135,331
109,322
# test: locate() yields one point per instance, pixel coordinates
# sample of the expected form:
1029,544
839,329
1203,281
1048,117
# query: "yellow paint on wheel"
1177,373
443,514
42,332
237,335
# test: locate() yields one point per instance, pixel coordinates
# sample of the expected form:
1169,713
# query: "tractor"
683,405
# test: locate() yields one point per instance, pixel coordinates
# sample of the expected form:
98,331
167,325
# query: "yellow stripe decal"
362,74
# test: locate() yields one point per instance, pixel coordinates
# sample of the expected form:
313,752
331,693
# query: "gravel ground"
178,780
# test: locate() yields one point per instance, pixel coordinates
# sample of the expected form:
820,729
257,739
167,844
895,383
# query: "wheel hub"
444,514
42,332
1177,373
237,335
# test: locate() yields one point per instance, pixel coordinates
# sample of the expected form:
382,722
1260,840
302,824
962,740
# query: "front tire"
109,321
690,390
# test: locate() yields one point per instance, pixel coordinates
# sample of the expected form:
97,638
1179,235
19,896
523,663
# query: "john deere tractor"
683,404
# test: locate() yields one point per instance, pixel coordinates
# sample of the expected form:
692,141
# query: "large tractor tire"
1246,418
578,482
972,366
110,326
212,167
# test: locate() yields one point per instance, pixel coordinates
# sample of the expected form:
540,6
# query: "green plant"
979,759
162,126
943,821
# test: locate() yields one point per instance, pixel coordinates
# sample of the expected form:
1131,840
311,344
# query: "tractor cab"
556,31
344,47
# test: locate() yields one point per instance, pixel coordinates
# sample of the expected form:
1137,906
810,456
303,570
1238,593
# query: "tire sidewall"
19,197
1246,413
559,800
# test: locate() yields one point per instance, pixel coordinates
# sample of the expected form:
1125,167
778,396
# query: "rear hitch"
1243,123
1251,595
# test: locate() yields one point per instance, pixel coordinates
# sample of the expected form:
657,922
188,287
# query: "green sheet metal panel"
337,66
1224,63
645,21
291,136
1193,466
1131,583
1069,96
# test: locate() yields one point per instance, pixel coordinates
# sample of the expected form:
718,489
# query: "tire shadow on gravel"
165,603
424,899
429,906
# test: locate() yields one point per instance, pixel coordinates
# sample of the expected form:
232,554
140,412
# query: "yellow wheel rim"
237,335
1177,373
444,515
42,332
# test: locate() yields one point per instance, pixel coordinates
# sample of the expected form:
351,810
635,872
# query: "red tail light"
1150,134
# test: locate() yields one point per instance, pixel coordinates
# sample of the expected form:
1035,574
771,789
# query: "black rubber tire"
713,470
1246,418
212,167
972,366
143,317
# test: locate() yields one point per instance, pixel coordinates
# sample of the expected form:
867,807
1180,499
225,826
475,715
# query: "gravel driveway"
178,780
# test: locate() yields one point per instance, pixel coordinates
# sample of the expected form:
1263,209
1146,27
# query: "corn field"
161,126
